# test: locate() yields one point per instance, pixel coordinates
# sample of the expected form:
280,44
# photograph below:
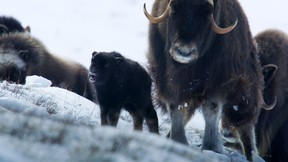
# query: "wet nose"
186,52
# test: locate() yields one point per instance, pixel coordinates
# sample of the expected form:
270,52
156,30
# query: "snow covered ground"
42,123
74,29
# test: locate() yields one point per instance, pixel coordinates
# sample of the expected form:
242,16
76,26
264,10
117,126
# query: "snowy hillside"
42,123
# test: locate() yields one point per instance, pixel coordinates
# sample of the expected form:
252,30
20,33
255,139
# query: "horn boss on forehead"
165,15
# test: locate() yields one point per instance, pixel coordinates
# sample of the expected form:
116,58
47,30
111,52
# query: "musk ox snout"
12,67
12,74
100,69
184,53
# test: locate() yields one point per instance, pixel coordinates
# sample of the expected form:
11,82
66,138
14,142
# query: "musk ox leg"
137,118
230,136
212,137
247,137
137,121
189,111
113,117
103,115
177,131
151,118
149,114
231,141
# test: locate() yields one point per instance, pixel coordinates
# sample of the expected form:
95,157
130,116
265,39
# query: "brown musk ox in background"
22,55
122,83
272,126
194,62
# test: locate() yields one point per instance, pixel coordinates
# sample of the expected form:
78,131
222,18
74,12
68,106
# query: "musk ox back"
272,126
194,62
122,83
11,25
22,55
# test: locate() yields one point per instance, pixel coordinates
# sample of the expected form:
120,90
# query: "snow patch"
37,81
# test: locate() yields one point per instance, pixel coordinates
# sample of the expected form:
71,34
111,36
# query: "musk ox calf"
11,25
196,63
22,55
122,83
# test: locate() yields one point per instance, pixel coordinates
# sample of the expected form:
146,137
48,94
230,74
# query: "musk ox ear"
268,72
28,29
24,54
94,54
118,57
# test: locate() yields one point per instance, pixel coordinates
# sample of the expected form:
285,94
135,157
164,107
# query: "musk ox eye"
92,77
24,54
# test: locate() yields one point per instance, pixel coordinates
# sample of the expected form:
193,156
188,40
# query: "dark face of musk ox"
12,62
189,30
18,57
13,66
102,66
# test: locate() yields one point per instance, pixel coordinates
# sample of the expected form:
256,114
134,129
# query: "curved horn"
156,20
270,107
4,27
271,66
219,30
263,103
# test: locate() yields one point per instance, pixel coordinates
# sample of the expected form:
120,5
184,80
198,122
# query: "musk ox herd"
201,55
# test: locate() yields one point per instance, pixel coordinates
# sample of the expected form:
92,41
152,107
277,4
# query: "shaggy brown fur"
22,55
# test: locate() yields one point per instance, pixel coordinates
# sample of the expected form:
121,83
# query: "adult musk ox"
22,55
122,83
10,25
194,62
272,126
